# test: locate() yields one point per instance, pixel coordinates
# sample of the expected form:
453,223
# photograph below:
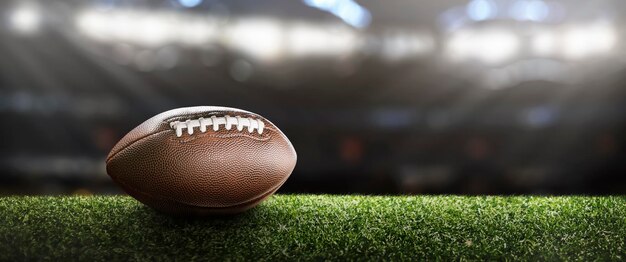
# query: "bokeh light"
25,19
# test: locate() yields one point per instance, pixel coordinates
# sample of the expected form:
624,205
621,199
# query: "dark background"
377,97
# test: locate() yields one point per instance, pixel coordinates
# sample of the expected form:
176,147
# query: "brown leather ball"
202,160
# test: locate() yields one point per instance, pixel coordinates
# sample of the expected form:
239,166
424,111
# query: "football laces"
215,122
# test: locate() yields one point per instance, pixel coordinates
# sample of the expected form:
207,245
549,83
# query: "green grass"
309,227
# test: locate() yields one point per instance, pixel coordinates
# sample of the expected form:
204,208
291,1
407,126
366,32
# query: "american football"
202,160
432,130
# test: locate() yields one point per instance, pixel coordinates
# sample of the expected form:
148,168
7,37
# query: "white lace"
227,121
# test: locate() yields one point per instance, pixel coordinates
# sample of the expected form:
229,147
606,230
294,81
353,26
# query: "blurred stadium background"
378,97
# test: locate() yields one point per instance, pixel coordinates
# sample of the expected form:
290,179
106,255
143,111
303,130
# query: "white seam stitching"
215,122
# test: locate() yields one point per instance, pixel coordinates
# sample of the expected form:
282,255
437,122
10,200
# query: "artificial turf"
319,227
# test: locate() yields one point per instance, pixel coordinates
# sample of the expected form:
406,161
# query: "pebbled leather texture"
212,172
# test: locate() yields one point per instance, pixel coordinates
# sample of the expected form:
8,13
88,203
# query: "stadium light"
198,32
489,46
530,10
479,10
121,26
25,20
319,40
152,30
544,43
398,46
260,38
89,24
347,10
189,3
584,41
